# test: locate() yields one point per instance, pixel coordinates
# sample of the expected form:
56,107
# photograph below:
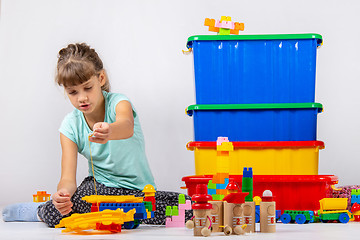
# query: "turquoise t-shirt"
117,163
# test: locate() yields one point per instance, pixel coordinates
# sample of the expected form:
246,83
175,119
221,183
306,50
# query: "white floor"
318,231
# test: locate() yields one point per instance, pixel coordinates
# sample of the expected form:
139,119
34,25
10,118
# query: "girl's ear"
102,77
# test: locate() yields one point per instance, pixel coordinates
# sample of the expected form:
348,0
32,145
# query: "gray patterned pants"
51,216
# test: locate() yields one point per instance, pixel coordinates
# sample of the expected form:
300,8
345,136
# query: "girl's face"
87,96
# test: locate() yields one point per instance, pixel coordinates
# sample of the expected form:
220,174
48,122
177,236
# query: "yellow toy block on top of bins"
266,158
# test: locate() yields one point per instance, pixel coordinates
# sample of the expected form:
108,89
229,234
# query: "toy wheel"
344,218
300,219
129,225
285,218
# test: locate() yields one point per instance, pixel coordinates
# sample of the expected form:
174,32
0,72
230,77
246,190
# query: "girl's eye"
72,92
88,88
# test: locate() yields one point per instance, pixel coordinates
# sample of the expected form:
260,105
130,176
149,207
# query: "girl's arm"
67,184
122,128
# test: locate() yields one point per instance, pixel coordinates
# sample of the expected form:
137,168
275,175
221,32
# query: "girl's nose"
83,98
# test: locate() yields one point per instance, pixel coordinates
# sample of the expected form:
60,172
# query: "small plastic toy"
299,217
355,209
110,220
41,196
225,26
267,213
334,209
176,215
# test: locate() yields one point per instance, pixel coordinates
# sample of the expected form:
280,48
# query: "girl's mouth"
84,106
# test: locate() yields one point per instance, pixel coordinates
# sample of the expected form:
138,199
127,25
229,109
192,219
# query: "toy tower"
259,91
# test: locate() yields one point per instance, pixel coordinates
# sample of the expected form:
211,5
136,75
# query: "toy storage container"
255,122
233,69
291,192
266,158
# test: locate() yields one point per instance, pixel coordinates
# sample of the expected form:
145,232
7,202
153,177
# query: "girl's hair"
77,63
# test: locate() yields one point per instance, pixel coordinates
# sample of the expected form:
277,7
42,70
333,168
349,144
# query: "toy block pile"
175,215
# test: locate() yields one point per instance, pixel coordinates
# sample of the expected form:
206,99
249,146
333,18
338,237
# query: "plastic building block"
182,199
355,199
217,197
148,206
106,220
224,26
221,192
211,185
140,213
112,199
220,178
220,140
211,191
176,214
247,183
168,211
41,196
223,185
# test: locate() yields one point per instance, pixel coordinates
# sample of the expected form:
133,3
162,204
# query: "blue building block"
355,199
139,207
248,172
222,185
211,191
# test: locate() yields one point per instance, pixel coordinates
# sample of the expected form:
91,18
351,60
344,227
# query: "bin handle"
187,52
335,188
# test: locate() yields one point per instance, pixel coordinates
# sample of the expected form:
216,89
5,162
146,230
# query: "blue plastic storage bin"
237,69
256,122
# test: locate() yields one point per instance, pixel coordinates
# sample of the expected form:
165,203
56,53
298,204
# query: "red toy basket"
291,192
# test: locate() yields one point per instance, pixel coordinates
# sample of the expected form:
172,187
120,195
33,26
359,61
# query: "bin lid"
316,36
265,144
196,107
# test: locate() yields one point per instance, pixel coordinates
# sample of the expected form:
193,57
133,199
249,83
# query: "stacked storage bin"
259,91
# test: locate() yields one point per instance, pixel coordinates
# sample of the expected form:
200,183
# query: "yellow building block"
112,199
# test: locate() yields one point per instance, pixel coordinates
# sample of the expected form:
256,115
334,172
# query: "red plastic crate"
291,192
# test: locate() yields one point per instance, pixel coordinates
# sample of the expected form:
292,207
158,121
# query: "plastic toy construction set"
259,92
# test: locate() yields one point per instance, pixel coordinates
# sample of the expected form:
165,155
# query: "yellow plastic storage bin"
266,158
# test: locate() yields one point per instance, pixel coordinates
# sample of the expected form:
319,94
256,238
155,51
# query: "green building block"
211,185
181,199
168,211
175,211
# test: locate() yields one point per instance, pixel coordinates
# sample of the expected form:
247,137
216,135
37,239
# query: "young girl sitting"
118,163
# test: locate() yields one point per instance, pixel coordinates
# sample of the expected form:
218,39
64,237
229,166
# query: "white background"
140,43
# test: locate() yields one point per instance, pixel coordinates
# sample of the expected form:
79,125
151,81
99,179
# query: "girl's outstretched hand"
101,133
61,201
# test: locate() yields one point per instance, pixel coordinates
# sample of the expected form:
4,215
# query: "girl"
118,162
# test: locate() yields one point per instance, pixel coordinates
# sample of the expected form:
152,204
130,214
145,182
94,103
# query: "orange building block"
41,196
